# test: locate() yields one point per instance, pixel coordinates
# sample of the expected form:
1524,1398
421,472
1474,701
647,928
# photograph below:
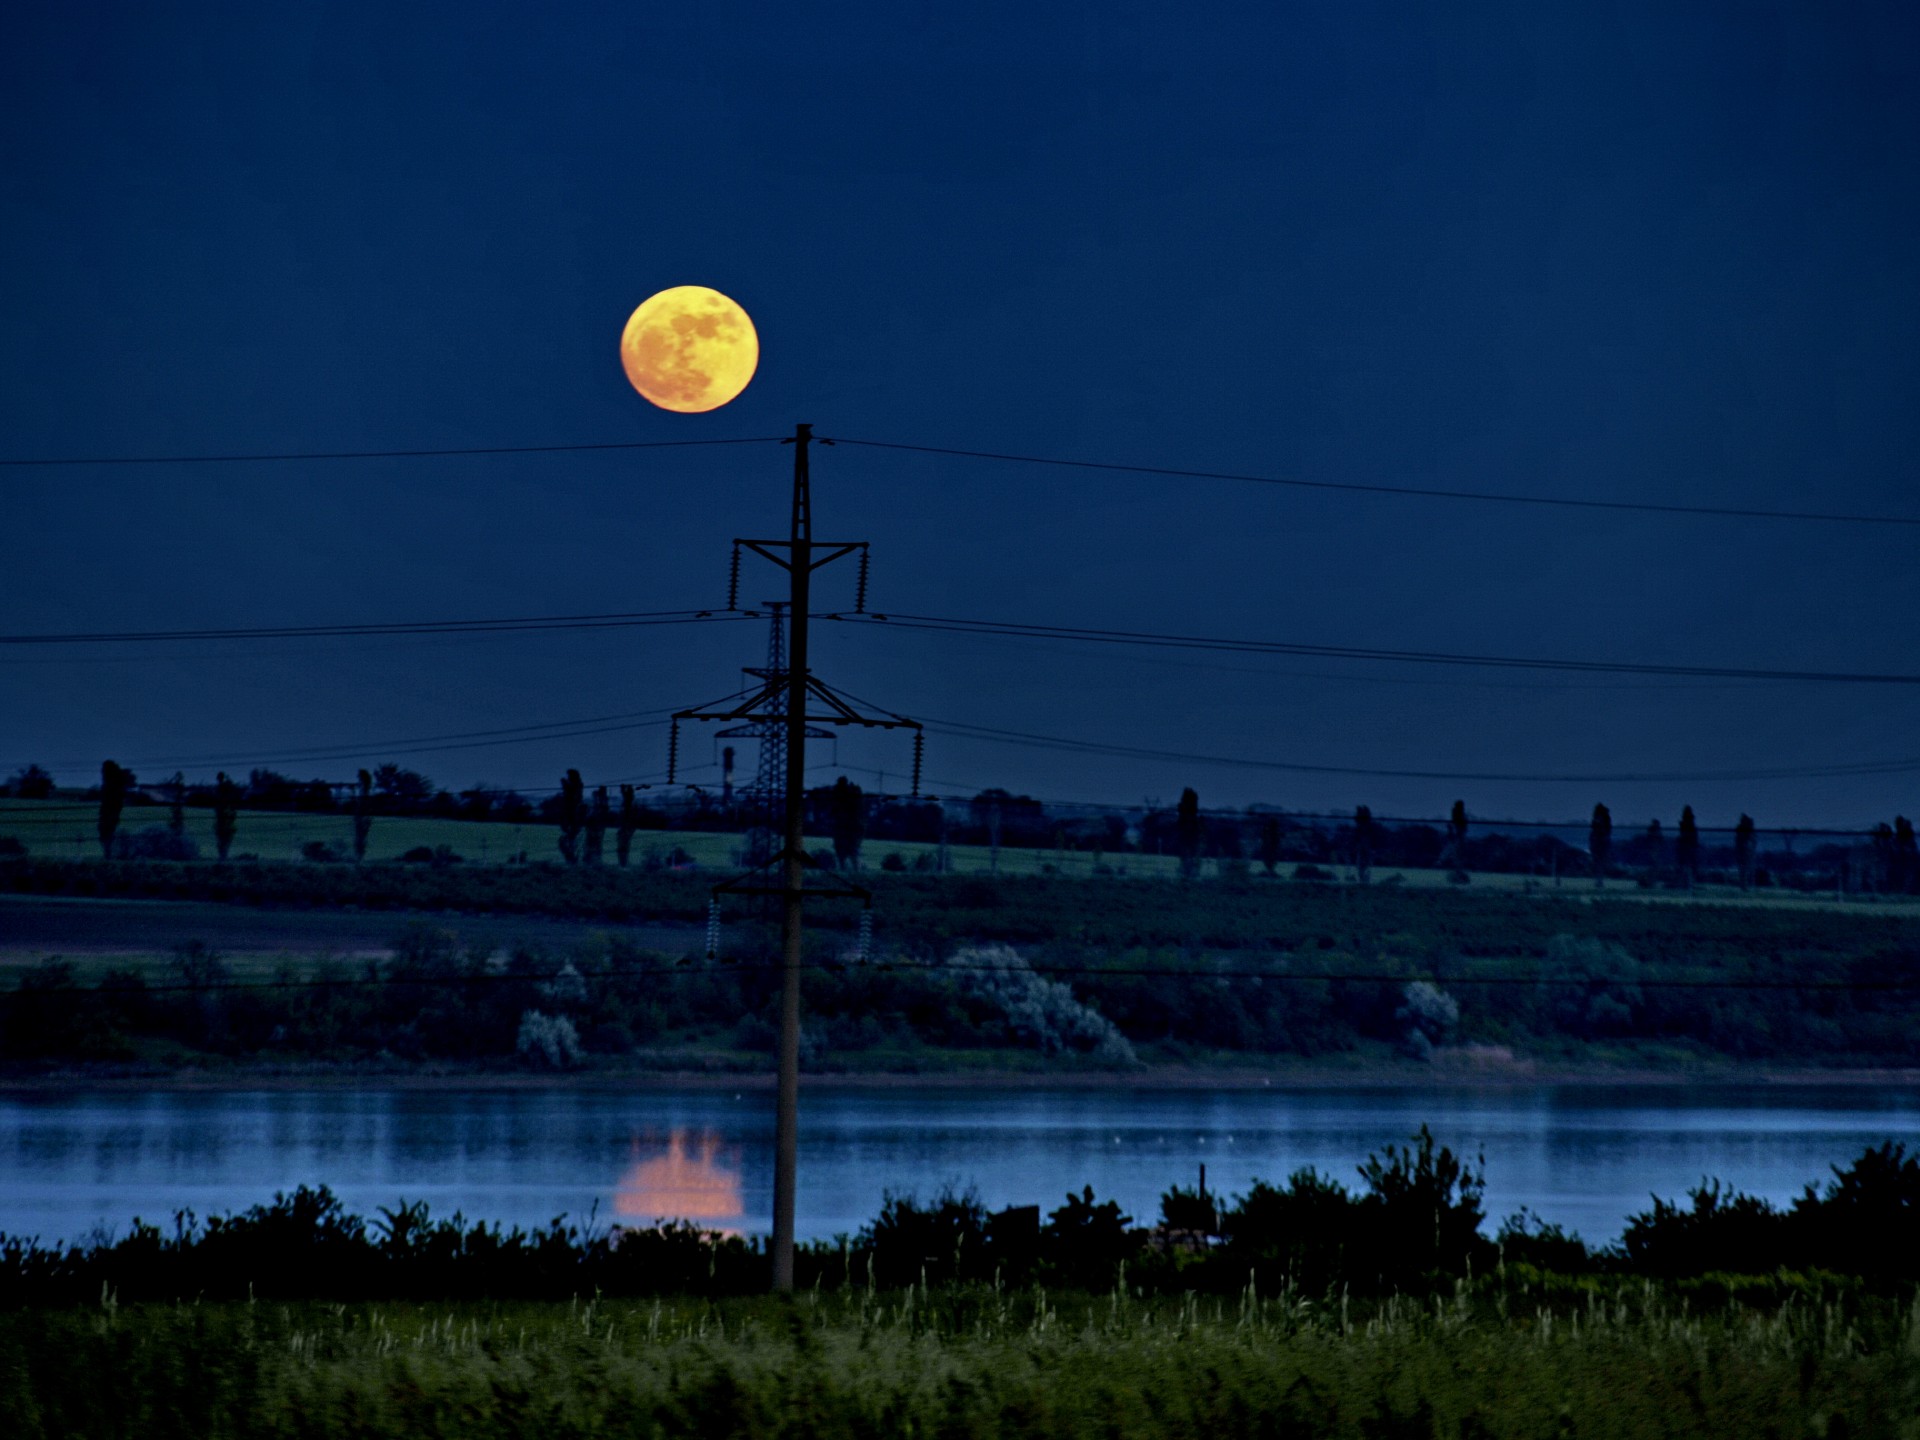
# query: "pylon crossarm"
768,692
848,715
824,552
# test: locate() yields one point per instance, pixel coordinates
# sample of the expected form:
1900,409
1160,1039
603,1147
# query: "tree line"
596,825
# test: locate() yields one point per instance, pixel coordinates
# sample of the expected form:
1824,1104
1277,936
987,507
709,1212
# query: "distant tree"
1363,838
226,813
572,816
406,788
177,806
269,789
598,818
362,815
847,809
1906,856
1600,844
1270,845
1186,830
1745,845
628,823
114,784
30,782
1686,846
1457,840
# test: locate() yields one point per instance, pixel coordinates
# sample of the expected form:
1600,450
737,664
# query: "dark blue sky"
1646,252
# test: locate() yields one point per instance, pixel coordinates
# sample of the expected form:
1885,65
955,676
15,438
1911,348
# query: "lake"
1583,1156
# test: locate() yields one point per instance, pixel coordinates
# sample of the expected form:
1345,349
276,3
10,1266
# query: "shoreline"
1307,1076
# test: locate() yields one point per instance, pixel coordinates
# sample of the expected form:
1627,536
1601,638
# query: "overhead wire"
1737,512
965,625
605,620
287,456
960,730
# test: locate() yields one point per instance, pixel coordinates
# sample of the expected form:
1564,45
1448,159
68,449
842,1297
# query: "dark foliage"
1865,1222
1414,1227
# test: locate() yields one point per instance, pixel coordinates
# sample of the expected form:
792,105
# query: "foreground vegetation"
1296,1310
1300,1310
971,1361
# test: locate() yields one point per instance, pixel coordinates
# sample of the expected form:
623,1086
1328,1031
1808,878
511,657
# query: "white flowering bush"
1043,1011
1429,1015
549,1041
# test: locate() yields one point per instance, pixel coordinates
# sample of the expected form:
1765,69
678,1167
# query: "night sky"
1645,252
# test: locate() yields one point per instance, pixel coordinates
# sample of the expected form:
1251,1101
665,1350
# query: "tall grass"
971,1361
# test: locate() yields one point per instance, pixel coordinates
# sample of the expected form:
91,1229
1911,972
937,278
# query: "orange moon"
689,349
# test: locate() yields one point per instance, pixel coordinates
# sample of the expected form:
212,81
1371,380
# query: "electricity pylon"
785,697
765,799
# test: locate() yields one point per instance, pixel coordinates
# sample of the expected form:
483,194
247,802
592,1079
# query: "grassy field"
960,1363
65,830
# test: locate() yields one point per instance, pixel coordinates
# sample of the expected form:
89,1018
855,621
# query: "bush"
438,856
548,1041
1043,1011
940,1242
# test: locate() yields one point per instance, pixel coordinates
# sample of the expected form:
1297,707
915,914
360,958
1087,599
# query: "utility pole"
786,1124
783,700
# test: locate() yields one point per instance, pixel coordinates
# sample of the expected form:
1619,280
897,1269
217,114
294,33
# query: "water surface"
1583,1156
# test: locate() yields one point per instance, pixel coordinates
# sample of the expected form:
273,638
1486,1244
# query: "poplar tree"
114,784
573,815
1745,844
1186,830
1600,844
1686,846
1457,841
226,813
1363,845
362,816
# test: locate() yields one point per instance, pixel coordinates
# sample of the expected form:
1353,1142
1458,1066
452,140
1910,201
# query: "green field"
65,830
980,1361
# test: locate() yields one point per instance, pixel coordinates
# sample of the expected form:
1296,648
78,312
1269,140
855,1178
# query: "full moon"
689,349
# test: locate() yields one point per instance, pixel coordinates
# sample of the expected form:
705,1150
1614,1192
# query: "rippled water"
1583,1156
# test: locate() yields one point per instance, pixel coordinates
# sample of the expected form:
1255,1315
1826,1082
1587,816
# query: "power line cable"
609,620
1152,639
1420,492
258,458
